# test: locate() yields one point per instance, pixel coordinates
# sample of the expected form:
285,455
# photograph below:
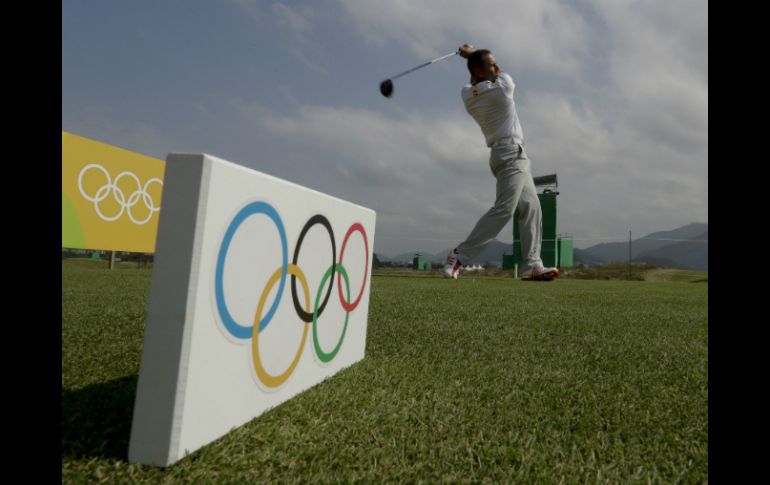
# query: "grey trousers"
515,190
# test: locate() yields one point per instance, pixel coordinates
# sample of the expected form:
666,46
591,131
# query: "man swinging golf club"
489,100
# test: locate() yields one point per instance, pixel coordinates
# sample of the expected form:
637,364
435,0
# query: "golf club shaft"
423,65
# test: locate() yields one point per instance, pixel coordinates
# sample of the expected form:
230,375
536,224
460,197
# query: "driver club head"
386,88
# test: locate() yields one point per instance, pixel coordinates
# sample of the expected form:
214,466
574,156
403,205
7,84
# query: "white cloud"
612,95
429,177
100,125
659,68
548,35
297,20
409,144
559,131
251,8
614,175
313,66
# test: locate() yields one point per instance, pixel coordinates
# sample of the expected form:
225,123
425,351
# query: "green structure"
565,253
555,250
418,263
508,261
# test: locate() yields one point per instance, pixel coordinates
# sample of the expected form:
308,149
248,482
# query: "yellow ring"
267,379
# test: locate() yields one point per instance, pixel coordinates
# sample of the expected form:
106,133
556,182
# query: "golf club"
386,86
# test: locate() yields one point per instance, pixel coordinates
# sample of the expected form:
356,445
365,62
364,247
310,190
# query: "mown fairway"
480,379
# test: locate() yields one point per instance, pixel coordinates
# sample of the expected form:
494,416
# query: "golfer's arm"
466,50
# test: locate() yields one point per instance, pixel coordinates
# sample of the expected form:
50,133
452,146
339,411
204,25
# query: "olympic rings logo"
112,187
305,314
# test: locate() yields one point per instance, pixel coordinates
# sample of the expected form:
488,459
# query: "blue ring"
241,331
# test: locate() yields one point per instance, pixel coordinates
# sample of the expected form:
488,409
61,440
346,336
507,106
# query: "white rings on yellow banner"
112,187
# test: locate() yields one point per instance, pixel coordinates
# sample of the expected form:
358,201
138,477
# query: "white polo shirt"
491,105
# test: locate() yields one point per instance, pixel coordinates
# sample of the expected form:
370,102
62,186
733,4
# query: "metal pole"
112,259
515,271
629,254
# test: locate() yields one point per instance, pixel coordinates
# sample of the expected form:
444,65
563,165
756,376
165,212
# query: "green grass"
613,271
476,380
101,264
665,275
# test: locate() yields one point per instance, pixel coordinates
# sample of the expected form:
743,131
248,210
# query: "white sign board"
260,290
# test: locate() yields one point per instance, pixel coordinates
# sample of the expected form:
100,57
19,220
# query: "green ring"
320,353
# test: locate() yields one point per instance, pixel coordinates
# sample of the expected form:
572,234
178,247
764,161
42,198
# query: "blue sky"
612,96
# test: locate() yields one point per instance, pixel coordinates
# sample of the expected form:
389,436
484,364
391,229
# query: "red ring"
349,307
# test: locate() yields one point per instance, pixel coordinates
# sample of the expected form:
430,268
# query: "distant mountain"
581,256
618,251
408,257
492,254
660,248
684,255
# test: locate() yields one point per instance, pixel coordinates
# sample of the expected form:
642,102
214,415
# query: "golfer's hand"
466,50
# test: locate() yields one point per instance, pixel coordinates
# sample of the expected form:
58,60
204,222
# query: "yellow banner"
110,196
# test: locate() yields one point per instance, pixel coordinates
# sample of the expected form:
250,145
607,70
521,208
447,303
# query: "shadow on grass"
96,420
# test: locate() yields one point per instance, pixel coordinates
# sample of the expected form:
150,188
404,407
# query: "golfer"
489,100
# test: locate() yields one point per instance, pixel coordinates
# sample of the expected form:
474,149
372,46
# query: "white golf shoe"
540,273
452,266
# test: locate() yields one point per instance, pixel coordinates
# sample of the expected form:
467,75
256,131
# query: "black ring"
316,219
